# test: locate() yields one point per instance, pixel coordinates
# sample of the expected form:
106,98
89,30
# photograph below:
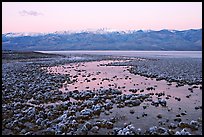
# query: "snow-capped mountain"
20,34
95,31
105,39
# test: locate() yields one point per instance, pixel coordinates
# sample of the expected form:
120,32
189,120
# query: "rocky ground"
181,70
33,104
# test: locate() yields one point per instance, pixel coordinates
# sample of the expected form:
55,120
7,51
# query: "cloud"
30,13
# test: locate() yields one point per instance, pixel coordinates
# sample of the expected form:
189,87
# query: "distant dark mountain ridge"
187,40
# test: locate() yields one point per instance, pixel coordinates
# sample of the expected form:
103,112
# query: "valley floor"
86,94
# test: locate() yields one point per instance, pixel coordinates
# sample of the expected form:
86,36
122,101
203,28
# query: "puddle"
95,76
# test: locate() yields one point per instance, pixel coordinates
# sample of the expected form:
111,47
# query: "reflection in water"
96,76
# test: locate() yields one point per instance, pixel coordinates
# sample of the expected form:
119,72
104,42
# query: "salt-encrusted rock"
104,124
162,131
115,91
157,131
183,113
152,130
172,126
138,131
108,105
199,119
133,98
127,130
88,125
60,127
86,113
94,129
107,113
113,120
183,125
177,119
162,102
38,121
155,103
83,130
144,114
62,117
97,109
116,130
109,124
120,105
136,102
194,124
73,123
182,132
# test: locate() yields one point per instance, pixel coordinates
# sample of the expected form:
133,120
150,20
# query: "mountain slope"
101,40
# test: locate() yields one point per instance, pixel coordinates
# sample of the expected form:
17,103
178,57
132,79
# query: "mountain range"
176,40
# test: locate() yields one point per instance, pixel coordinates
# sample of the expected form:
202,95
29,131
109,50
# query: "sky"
46,17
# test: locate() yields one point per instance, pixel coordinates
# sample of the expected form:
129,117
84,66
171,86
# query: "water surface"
95,76
153,54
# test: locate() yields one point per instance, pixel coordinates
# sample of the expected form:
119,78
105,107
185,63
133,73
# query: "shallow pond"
96,75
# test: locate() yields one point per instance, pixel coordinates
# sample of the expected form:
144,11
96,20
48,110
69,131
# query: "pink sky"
53,16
